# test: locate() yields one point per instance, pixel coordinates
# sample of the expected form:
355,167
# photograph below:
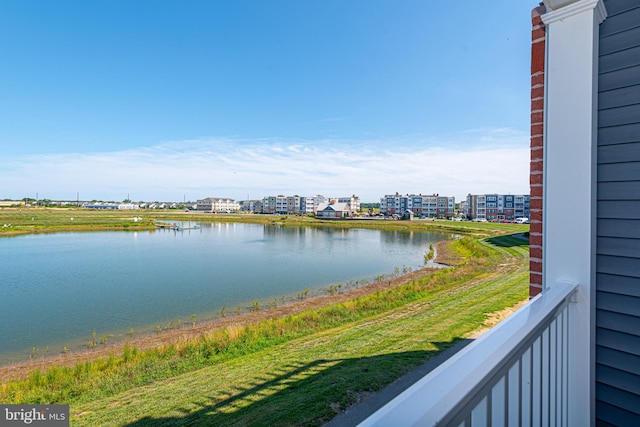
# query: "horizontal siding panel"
619,379
620,190
629,228
619,134
614,320
621,210
619,172
620,22
617,265
619,246
619,41
618,79
617,298
619,153
618,341
628,114
628,95
613,415
609,357
622,304
617,397
603,423
618,60
618,284
614,7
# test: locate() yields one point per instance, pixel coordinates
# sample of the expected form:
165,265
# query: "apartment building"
251,206
434,206
215,204
300,205
274,205
310,204
282,205
353,202
497,206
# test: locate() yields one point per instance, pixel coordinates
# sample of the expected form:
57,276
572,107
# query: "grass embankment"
301,369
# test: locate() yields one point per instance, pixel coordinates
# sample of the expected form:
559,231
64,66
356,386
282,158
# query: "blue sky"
165,100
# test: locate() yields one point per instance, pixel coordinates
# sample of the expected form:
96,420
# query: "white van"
522,220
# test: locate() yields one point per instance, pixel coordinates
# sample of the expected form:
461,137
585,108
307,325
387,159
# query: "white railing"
514,375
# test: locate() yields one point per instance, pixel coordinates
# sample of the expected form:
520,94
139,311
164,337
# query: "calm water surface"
55,289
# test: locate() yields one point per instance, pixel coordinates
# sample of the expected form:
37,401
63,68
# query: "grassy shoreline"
47,220
20,369
296,368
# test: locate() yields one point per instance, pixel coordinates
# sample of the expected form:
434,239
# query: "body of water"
56,289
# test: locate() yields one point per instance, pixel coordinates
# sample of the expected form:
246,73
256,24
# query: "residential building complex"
110,206
353,202
496,206
213,204
434,206
300,205
281,205
251,206
310,204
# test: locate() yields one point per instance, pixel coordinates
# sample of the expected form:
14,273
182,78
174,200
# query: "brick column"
538,41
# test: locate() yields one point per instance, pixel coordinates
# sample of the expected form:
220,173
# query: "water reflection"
58,288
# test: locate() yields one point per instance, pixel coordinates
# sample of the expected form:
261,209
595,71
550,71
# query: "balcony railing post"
569,199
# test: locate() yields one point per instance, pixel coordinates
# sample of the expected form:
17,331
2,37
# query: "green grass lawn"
29,220
302,369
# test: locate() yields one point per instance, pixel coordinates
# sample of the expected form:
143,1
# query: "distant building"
333,210
310,204
434,206
353,202
110,206
217,205
128,206
8,203
463,208
301,205
275,205
254,206
497,206
408,215
294,205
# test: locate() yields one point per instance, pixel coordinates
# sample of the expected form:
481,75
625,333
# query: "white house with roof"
334,210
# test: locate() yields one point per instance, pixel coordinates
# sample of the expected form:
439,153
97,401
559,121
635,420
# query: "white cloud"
479,161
